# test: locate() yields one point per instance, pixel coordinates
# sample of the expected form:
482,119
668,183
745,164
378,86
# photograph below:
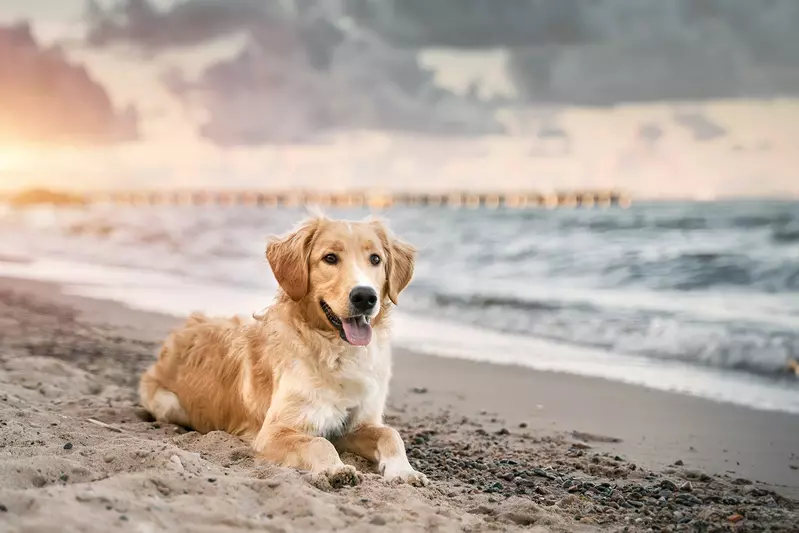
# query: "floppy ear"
399,261
288,257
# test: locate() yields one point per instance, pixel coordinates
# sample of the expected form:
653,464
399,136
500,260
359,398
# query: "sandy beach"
506,448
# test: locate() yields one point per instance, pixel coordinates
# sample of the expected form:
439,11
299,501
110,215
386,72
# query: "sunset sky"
210,95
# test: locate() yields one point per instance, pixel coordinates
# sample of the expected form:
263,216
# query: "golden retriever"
309,378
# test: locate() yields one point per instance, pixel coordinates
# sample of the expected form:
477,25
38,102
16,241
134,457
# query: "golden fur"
288,383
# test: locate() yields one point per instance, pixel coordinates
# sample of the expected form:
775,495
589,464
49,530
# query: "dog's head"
343,272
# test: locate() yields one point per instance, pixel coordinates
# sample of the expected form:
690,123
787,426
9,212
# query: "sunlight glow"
16,158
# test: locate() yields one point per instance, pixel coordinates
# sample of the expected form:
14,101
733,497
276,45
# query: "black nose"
363,299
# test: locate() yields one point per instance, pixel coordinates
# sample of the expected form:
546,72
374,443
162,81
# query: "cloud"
605,52
47,99
301,74
314,66
474,24
280,89
139,23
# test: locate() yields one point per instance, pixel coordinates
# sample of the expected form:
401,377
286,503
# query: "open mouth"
356,330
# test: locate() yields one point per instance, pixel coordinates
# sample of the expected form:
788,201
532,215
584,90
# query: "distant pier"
371,199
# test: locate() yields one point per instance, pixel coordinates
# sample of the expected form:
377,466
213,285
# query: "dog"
308,379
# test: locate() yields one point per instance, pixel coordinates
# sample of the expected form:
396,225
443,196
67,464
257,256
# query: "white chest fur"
349,390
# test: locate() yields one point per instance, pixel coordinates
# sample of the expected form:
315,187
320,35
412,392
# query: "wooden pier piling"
586,199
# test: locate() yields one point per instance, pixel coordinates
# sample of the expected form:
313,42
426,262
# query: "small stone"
123,518
704,477
378,520
3,508
669,485
64,478
678,462
419,390
68,446
735,518
686,487
503,431
108,458
211,480
522,425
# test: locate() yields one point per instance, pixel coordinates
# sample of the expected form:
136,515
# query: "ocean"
698,298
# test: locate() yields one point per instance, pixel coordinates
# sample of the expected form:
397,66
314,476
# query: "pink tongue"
357,331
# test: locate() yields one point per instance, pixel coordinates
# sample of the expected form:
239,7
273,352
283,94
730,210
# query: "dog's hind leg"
163,404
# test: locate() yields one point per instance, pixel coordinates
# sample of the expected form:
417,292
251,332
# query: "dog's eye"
330,259
374,259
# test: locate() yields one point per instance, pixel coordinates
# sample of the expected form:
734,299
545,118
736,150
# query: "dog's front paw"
400,471
341,476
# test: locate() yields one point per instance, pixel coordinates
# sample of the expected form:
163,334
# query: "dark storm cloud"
474,23
602,52
139,23
277,89
45,98
303,72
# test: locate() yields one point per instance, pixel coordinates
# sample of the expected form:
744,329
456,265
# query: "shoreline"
506,447
175,297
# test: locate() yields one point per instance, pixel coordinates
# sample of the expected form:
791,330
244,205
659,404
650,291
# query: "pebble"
109,458
176,463
678,462
670,485
522,425
735,518
419,390
68,446
686,487
3,508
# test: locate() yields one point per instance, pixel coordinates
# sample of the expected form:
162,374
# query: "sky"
667,98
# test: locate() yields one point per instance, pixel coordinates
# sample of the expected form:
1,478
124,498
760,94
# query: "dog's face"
343,272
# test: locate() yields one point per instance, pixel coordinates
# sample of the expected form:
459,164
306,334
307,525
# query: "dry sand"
506,448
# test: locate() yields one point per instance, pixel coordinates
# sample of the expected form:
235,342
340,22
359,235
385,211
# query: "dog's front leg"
286,446
384,446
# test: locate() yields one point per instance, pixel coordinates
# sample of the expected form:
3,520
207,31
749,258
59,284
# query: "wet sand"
506,448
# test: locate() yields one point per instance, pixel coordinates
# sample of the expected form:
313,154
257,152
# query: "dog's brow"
335,246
